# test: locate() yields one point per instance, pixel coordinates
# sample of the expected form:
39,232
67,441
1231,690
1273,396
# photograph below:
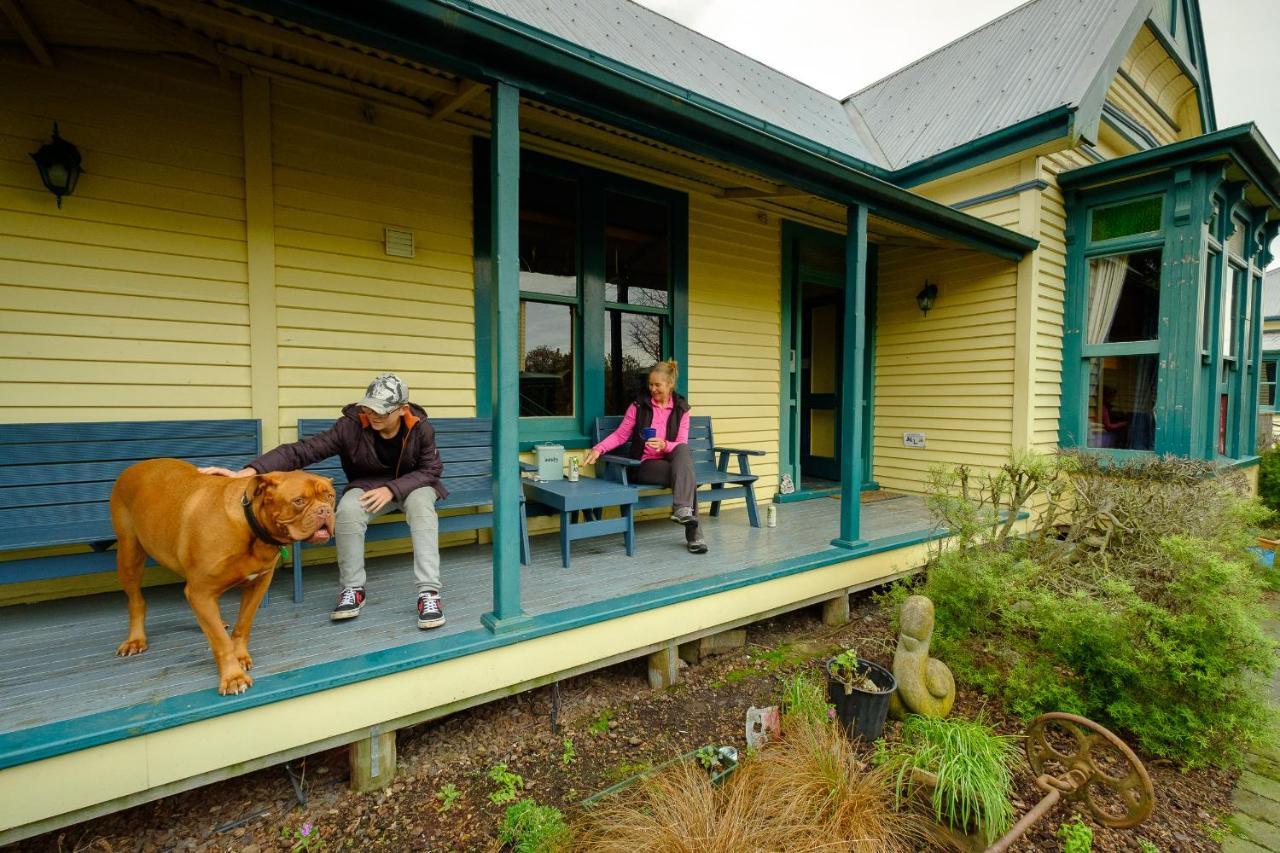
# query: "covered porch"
67,698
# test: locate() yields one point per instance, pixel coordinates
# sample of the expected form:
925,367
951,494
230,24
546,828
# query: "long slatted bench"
725,484
466,448
56,479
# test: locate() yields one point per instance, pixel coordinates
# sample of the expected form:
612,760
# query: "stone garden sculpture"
925,684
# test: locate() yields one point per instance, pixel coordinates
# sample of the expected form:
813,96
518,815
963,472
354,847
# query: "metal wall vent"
399,243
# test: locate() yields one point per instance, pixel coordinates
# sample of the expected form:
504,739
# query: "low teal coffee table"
587,496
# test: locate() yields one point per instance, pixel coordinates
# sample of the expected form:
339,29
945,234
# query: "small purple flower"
306,829
831,713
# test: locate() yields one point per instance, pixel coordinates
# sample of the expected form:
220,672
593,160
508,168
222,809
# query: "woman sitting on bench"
656,431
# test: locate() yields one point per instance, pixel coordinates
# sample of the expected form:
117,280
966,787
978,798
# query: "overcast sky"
840,46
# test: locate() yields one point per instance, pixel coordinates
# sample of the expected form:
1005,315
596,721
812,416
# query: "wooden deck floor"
57,659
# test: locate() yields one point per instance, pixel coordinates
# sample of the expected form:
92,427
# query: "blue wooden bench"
466,448
709,471
56,479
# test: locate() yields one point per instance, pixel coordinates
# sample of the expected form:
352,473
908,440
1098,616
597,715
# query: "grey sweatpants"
424,529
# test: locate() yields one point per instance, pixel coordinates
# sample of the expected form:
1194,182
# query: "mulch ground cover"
611,727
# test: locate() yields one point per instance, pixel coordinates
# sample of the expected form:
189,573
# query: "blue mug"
649,432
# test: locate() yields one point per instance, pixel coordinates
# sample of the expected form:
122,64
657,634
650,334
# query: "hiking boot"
430,611
350,601
697,545
683,515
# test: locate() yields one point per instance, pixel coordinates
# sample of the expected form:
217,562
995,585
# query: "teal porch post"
504,194
852,358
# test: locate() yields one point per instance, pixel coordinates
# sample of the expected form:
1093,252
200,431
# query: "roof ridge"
938,50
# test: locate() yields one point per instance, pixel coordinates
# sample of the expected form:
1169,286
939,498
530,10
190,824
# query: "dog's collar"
255,525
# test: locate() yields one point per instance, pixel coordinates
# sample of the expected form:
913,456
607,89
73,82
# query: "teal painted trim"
1247,462
1198,75
504,188
1243,142
869,368
678,204
806,495
853,358
569,440
1129,128
1016,189
1037,130
483,45
1073,415
788,382
39,742
1125,348
482,263
591,318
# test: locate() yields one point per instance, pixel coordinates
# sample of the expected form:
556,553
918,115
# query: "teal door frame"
789,413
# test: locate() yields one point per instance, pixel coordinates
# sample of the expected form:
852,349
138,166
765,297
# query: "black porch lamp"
59,164
927,296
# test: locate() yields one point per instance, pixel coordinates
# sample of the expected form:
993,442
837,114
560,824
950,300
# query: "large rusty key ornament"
1079,760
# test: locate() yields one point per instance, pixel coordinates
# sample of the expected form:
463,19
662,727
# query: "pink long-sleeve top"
661,414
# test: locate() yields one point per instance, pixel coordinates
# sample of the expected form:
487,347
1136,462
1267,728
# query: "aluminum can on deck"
771,515
573,469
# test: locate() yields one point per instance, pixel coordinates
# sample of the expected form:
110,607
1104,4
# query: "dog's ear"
262,482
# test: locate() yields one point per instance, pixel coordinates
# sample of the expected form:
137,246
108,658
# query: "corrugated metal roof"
1042,55
642,39
1271,294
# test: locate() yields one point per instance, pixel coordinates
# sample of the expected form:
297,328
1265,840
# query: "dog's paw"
246,660
132,646
234,683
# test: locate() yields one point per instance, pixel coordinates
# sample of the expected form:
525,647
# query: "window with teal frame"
1267,383
603,293
1161,332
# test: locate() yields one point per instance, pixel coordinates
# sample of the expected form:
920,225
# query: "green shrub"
973,765
1143,613
1269,479
1076,836
530,828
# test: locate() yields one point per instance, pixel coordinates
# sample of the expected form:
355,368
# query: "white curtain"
1106,281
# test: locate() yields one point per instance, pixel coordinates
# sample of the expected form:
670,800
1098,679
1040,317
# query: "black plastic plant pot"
861,711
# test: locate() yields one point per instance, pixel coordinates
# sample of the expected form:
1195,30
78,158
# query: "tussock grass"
808,792
974,767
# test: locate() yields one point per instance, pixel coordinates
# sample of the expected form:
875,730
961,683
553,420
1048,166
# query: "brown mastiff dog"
217,533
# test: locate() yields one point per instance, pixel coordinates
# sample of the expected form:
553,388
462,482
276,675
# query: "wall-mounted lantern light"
59,164
927,296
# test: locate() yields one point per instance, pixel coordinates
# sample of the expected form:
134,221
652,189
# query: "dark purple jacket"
351,440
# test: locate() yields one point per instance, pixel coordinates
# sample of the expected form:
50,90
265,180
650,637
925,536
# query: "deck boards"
57,658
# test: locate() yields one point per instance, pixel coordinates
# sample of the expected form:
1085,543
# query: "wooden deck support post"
853,357
835,611
373,761
664,666
504,189
716,644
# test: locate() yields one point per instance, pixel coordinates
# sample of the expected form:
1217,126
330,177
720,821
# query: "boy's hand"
226,472
375,499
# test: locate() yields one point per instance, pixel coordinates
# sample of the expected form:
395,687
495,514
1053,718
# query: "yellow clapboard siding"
91,210
303,397
375,268
50,227
438,311
372,324
31,299
125,191
419,377
340,225
735,328
108,328
41,345
339,342
61,277
95,372
453,219
179,396
368,359
371,249
78,254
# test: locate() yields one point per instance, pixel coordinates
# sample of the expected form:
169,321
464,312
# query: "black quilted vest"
644,418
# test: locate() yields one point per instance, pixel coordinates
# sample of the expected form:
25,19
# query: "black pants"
675,473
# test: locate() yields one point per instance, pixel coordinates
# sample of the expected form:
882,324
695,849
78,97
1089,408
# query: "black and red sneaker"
430,610
350,600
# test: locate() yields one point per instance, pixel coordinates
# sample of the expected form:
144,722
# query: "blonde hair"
669,368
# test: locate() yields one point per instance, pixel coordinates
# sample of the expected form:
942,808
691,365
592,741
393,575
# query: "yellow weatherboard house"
221,219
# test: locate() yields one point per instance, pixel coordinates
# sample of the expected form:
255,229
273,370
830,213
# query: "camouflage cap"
385,394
